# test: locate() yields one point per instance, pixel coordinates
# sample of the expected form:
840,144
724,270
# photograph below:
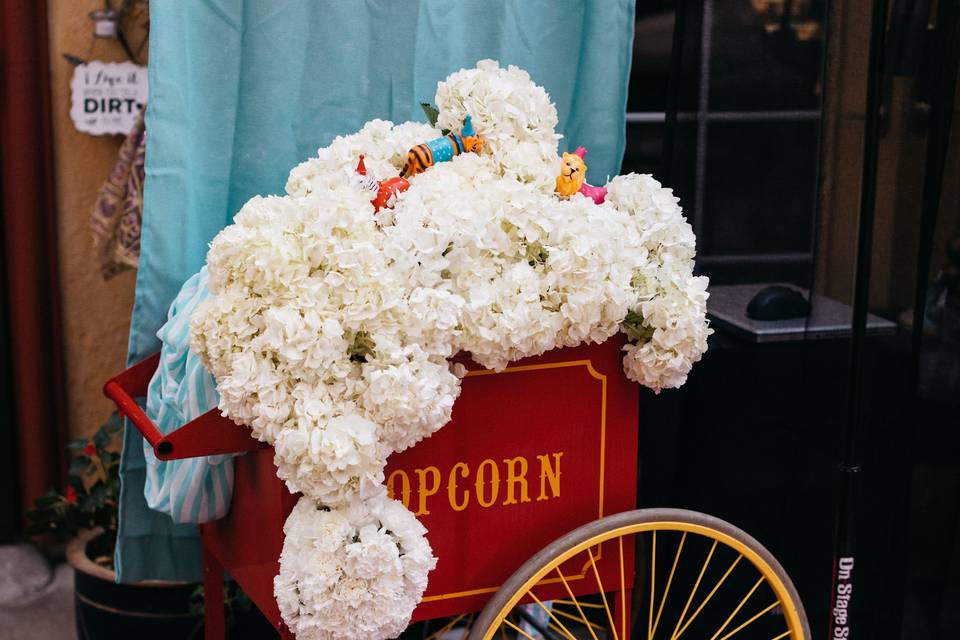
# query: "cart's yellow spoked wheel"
454,629
682,574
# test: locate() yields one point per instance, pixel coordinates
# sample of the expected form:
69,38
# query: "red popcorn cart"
529,499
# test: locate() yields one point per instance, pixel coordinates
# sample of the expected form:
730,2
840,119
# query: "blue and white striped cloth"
195,489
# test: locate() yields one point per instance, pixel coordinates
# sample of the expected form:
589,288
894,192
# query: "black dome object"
777,302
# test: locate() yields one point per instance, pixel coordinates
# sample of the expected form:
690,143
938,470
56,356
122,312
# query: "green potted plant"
84,517
93,487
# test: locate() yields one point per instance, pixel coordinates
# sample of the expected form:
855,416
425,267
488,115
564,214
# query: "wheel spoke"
518,630
446,627
603,595
584,621
653,585
782,635
666,590
748,622
576,602
623,594
566,632
709,596
737,610
466,627
538,626
693,592
585,605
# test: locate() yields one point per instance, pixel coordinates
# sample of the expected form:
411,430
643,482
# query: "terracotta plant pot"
146,610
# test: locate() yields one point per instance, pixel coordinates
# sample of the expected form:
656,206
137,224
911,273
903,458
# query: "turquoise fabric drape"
243,90
195,489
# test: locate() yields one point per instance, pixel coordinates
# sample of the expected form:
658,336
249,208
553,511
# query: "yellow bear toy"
573,171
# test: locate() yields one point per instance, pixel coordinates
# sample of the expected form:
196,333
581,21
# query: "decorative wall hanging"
116,216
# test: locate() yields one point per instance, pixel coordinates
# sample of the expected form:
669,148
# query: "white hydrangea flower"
355,572
515,116
410,399
672,302
383,145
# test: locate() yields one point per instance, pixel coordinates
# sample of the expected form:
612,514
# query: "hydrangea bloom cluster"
351,573
515,116
667,324
325,340
329,329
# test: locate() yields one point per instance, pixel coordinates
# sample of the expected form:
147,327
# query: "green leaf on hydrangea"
536,254
361,347
432,113
633,325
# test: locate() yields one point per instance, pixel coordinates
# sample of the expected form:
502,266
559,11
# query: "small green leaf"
536,254
102,439
47,501
361,347
79,466
93,506
633,325
431,112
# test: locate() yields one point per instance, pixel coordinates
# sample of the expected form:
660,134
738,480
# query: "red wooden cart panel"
531,453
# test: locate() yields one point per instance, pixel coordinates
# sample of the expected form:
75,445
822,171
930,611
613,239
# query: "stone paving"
36,600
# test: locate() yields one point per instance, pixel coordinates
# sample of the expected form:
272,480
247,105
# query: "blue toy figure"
423,156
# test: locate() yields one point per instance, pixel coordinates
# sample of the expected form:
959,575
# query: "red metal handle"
125,386
129,407
210,434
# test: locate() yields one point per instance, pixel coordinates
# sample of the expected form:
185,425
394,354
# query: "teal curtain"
243,90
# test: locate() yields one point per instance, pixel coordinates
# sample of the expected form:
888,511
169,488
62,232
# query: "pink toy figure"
597,194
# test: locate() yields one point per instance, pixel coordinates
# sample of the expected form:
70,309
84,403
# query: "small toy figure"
573,170
361,180
597,194
572,178
423,156
389,189
384,192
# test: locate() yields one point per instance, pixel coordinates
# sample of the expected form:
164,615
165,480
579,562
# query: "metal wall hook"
107,24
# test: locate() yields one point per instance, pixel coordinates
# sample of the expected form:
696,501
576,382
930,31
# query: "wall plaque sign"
107,96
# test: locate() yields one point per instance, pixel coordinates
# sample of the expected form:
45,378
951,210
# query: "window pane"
650,69
643,154
763,60
759,187
652,47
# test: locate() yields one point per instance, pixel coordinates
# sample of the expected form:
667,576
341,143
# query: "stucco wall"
96,312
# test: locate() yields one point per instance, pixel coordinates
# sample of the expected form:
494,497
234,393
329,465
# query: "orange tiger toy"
423,156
